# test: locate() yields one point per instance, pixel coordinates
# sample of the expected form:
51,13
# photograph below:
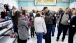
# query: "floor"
34,40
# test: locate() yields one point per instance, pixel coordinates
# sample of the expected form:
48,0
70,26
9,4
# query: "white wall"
10,2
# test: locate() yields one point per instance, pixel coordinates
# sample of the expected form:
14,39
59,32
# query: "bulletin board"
45,2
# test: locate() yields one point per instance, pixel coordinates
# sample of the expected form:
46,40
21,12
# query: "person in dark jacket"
63,24
72,28
49,22
54,23
7,7
3,14
60,11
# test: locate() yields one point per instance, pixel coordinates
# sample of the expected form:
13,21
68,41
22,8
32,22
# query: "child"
32,26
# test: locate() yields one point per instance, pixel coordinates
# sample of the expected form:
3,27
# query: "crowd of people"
5,13
42,23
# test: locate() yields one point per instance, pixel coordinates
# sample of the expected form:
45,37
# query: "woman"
13,12
21,22
40,27
15,21
23,27
3,14
72,28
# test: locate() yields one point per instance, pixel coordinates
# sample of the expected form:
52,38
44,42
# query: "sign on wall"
45,2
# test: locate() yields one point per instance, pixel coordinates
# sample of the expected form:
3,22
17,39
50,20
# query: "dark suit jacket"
73,23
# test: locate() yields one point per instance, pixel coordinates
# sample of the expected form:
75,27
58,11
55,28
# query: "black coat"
48,18
54,20
3,14
73,23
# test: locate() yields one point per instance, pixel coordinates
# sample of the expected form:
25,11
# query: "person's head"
37,14
13,7
16,16
67,10
60,9
4,5
45,9
33,11
74,12
24,12
72,9
21,8
53,12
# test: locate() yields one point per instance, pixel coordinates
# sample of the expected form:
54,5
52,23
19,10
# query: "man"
60,11
63,24
49,22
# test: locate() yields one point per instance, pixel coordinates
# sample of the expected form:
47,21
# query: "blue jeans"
48,34
39,37
53,29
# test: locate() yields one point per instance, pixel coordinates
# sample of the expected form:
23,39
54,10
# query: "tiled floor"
34,40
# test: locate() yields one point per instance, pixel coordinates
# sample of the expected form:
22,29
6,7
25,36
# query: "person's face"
60,9
73,12
67,10
23,16
46,10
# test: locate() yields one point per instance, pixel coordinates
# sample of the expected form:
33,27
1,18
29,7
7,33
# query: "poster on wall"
45,2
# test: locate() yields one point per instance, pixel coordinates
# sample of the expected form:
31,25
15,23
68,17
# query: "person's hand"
68,21
45,32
